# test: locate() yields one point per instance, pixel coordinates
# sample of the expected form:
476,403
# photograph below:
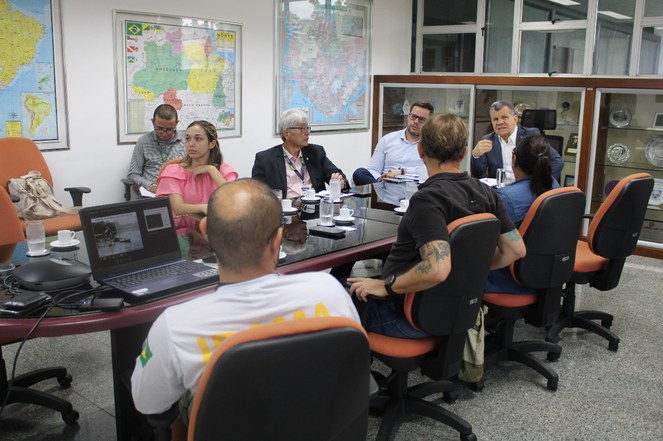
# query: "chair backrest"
11,231
615,229
19,156
450,308
297,380
550,231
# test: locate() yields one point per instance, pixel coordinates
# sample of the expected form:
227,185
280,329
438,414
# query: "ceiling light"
616,15
565,2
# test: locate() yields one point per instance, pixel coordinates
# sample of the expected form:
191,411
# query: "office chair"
550,231
298,380
21,155
446,312
131,188
612,236
11,233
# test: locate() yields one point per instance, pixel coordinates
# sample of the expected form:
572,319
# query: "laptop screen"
129,236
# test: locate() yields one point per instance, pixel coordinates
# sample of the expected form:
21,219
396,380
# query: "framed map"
32,91
323,56
193,64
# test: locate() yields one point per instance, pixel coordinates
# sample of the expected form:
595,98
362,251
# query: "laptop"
133,247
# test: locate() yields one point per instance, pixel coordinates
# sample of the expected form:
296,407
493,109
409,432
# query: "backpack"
36,200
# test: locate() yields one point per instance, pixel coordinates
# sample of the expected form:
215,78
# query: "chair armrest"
162,421
128,185
77,194
588,215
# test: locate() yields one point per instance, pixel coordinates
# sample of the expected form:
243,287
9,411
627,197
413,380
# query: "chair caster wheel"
477,387
613,346
65,381
606,323
71,418
552,384
450,397
468,437
553,356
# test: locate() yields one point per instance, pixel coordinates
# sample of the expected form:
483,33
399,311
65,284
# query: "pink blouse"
175,179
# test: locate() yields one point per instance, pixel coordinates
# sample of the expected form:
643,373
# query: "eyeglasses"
306,129
165,130
414,117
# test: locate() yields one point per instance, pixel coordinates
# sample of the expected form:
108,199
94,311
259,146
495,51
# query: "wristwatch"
388,283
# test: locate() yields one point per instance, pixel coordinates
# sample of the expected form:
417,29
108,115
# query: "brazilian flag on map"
134,28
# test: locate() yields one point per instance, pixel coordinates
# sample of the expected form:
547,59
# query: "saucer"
290,212
282,255
73,243
312,201
38,253
400,210
344,220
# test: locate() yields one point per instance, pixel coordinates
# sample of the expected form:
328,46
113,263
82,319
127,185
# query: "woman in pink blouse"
190,183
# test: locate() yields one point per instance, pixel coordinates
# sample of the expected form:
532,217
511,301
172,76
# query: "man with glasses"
396,153
494,150
246,240
155,148
296,163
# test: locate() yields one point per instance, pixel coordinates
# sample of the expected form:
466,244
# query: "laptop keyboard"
183,267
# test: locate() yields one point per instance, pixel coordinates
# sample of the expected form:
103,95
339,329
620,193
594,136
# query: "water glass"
278,193
335,190
500,176
36,236
326,212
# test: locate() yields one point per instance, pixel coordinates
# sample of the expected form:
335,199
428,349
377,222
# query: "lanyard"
292,166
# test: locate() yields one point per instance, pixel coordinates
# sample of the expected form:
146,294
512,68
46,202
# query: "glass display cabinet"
628,138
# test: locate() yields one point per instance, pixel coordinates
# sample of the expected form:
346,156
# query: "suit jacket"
269,167
487,164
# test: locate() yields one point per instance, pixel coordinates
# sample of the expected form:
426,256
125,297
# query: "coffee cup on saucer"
310,194
404,204
345,213
286,204
65,237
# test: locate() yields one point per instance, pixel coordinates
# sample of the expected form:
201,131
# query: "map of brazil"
324,61
188,63
27,71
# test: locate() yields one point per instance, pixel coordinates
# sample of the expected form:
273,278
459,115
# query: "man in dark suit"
295,163
495,149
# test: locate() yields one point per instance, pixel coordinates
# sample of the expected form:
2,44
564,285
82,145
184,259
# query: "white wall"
96,160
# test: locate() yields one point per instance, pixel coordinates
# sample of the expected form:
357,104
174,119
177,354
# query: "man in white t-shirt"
244,226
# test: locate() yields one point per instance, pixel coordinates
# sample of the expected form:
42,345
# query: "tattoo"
512,235
432,252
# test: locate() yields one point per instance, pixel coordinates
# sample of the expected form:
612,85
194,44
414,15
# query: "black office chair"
11,233
298,380
550,231
612,237
446,312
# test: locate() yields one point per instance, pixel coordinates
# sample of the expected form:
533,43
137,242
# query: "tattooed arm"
433,268
510,247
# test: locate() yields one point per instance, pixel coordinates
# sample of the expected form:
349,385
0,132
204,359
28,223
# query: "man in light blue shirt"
396,153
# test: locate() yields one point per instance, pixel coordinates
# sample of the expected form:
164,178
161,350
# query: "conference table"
370,235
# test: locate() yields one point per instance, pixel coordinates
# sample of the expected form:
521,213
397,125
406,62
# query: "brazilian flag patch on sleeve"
146,354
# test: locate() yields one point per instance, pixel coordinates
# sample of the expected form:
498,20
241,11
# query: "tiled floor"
602,395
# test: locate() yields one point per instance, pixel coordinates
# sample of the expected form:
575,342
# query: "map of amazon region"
27,70
187,63
324,63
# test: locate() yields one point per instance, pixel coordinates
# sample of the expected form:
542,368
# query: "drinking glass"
326,212
335,190
36,236
500,176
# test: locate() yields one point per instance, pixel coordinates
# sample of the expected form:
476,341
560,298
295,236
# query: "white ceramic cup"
65,237
310,193
345,213
335,190
404,204
286,204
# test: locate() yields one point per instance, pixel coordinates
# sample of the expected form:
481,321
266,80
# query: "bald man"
246,240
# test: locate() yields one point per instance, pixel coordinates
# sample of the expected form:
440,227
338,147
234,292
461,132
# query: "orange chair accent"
446,312
11,233
550,231
298,380
612,237
21,155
